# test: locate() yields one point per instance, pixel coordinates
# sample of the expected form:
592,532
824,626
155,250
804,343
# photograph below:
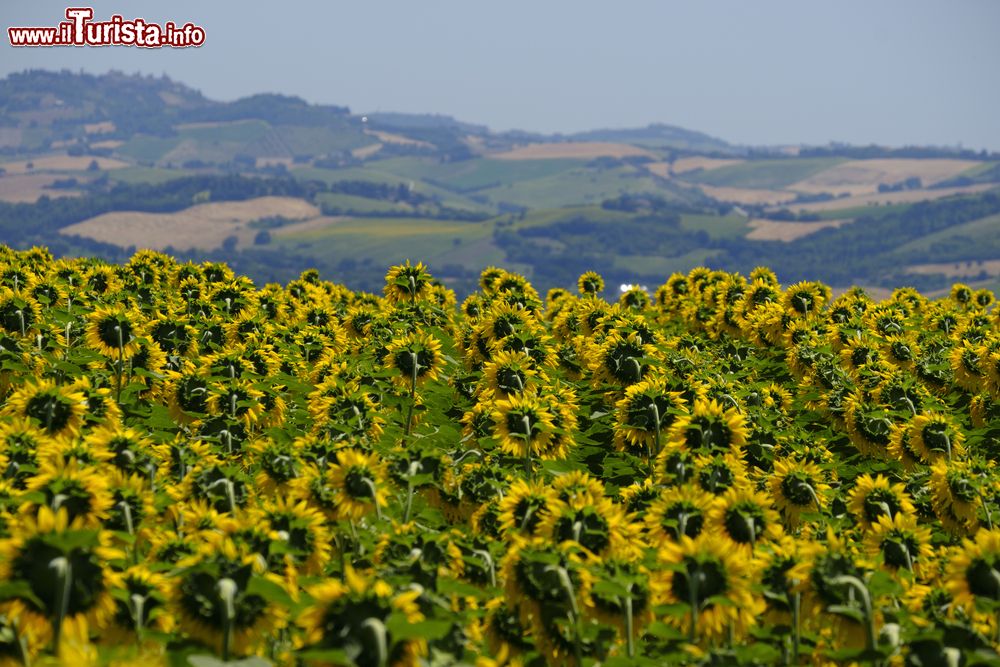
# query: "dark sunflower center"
708,432
745,523
33,567
114,331
796,490
15,317
523,424
699,581
52,409
683,519
586,527
937,437
526,513
511,380
876,503
357,483
900,551
983,579
200,599
716,478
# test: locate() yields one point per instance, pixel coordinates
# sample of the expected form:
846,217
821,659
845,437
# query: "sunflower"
805,298
212,602
407,283
601,527
967,365
678,511
796,486
784,574
744,516
873,497
81,490
578,485
302,529
523,504
973,571
20,443
524,426
58,409
590,284
701,573
869,425
505,636
352,616
114,332
277,462
359,482
901,543
720,471
238,400
141,608
645,413
352,413
127,449
415,357
708,427
19,312
933,436
547,584
509,373
621,360
59,562
955,496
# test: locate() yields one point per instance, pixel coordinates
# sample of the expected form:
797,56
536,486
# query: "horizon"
757,81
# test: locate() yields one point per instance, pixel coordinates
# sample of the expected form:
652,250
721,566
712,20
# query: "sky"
768,72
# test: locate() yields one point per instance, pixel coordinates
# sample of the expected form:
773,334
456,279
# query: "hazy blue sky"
790,71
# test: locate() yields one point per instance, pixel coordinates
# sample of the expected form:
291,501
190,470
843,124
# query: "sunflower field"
197,471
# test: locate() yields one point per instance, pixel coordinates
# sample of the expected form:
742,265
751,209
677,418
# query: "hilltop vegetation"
637,204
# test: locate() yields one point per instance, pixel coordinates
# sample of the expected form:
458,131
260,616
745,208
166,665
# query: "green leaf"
401,628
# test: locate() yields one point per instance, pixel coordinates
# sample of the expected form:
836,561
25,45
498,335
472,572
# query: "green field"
578,186
150,175
243,130
398,239
351,203
478,174
764,174
148,149
983,231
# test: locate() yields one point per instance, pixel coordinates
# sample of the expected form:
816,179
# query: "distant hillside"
273,185
660,136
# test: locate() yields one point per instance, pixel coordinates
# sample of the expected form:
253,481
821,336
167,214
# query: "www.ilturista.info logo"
80,30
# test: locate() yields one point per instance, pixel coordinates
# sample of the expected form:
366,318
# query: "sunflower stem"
381,636
64,575
629,625
796,625
693,578
371,487
415,468
488,559
526,420
137,604
22,645
574,610
655,409
121,365
986,510
856,584
226,589
413,391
